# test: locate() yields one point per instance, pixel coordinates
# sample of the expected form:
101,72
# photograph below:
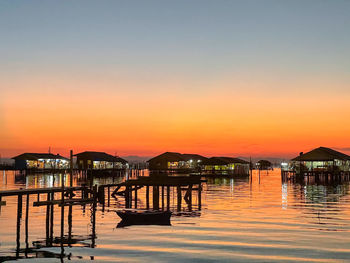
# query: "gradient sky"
251,78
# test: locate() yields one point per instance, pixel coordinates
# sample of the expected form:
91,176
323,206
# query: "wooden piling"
70,225
71,168
93,217
168,198
109,196
135,201
179,198
101,194
189,197
26,221
155,197
19,216
127,197
199,196
162,197
62,209
51,217
48,218
147,197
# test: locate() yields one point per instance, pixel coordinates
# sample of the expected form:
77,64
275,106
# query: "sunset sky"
235,78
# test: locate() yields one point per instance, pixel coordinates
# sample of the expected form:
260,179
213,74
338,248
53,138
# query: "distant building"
320,160
99,161
35,161
225,166
263,165
176,161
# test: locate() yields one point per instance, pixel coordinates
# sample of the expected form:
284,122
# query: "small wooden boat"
144,218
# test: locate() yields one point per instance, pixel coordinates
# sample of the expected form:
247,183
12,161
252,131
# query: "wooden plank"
59,202
38,190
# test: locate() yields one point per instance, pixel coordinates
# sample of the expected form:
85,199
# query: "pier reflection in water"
257,219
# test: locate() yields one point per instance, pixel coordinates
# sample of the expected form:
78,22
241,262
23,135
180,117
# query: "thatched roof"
99,156
322,154
37,156
223,161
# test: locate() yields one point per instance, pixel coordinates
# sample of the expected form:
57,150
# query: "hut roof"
99,156
188,157
176,157
223,161
322,154
168,156
264,162
37,156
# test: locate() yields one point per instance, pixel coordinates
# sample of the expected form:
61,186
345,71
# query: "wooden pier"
61,196
162,192
162,188
315,176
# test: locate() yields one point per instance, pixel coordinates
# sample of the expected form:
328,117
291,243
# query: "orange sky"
215,79
88,115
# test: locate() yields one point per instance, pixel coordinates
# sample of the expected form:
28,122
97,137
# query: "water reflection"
252,219
319,201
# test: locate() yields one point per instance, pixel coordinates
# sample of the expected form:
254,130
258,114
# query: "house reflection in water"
318,201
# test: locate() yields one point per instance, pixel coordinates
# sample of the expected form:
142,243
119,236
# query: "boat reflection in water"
257,219
144,218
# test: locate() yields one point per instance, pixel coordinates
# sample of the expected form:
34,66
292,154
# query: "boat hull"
146,218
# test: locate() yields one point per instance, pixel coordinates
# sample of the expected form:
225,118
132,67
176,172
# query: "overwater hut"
321,159
40,161
99,161
225,166
263,165
175,161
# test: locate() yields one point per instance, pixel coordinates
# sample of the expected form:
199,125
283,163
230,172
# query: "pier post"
179,198
1,203
19,216
199,196
127,197
190,197
168,198
93,219
155,197
101,194
70,224
26,222
109,196
71,168
147,197
162,197
135,201
48,219
51,217
62,211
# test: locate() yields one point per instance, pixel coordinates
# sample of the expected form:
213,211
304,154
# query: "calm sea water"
241,220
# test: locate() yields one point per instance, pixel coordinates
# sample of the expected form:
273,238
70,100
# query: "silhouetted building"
225,166
99,161
33,161
264,165
321,159
175,161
